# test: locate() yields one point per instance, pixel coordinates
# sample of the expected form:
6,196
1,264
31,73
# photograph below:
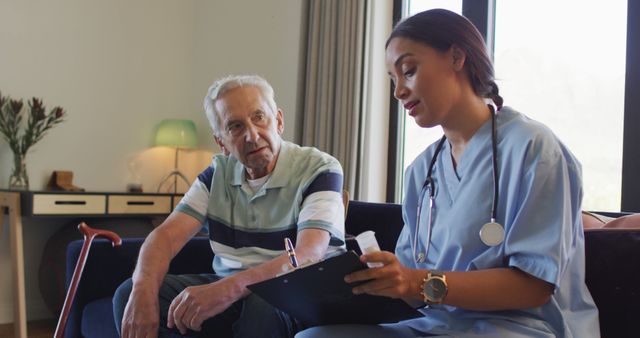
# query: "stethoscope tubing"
429,184
494,155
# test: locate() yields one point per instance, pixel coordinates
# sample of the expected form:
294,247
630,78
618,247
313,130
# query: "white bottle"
368,244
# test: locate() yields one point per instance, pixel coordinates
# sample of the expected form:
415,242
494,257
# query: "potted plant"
21,136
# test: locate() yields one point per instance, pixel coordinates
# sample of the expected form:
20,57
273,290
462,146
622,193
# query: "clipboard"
318,295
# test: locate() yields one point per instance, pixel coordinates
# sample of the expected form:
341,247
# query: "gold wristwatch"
434,287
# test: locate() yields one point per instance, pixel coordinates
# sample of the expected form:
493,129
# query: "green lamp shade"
176,133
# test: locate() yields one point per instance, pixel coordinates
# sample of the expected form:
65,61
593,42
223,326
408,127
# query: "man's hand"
195,304
141,316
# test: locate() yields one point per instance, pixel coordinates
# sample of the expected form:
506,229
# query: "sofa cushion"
97,320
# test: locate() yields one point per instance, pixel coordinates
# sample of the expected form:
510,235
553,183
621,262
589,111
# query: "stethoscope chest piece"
492,234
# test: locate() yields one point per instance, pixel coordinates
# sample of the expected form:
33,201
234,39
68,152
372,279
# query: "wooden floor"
36,329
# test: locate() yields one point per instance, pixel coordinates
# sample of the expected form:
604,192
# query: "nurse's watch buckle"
434,287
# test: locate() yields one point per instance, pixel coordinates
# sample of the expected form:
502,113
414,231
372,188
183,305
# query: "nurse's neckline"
458,140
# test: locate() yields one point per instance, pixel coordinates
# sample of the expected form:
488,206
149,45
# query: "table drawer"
53,204
132,204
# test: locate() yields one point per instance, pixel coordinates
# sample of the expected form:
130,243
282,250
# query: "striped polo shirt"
247,228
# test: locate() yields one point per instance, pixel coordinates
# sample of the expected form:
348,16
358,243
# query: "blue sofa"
612,275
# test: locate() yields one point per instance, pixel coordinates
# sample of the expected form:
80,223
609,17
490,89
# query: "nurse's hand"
391,280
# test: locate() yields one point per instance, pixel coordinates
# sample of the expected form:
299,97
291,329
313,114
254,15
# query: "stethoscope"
491,233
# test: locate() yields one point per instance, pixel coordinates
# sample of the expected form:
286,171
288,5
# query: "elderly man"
261,190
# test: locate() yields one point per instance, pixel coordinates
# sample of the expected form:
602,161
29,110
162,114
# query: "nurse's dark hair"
441,29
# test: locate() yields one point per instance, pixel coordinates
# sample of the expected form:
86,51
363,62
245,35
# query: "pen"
288,246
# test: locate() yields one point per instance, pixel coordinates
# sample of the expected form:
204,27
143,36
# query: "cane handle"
92,233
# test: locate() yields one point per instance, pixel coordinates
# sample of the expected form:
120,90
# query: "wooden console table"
48,204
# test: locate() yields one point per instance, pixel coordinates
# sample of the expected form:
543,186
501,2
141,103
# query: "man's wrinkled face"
250,129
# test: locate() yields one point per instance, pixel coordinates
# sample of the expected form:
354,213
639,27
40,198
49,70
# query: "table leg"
11,200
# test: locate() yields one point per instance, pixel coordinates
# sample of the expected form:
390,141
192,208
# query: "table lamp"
180,134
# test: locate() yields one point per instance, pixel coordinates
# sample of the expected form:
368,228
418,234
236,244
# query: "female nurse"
493,242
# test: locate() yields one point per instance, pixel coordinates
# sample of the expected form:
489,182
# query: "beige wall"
252,37
118,67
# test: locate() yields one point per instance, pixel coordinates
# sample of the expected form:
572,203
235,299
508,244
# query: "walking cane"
89,235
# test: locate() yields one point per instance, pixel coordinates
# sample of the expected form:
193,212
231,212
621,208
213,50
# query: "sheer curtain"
333,100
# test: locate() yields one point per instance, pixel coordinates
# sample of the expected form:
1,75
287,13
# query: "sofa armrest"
613,278
107,267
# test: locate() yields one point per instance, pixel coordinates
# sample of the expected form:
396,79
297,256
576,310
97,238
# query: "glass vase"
19,180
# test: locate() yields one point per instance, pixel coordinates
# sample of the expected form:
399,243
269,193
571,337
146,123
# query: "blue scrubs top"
539,206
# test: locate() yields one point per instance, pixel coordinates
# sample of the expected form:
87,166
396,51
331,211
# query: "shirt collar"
278,176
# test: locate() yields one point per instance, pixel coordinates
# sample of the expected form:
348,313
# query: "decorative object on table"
62,180
180,134
134,184
22,136
135,188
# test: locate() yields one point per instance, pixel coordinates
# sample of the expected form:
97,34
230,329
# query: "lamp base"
175,174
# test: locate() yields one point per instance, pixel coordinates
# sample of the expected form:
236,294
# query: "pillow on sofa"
625,222
592,220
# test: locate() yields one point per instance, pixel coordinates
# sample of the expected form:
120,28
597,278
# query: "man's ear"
225,151
458,57
280,121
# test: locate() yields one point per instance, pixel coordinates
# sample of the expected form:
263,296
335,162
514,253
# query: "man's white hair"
223,85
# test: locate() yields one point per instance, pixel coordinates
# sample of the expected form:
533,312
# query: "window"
416,139
566,71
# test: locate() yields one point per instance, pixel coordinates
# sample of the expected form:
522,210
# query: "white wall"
118,67
252,37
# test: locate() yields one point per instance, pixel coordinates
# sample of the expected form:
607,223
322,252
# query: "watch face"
435,289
